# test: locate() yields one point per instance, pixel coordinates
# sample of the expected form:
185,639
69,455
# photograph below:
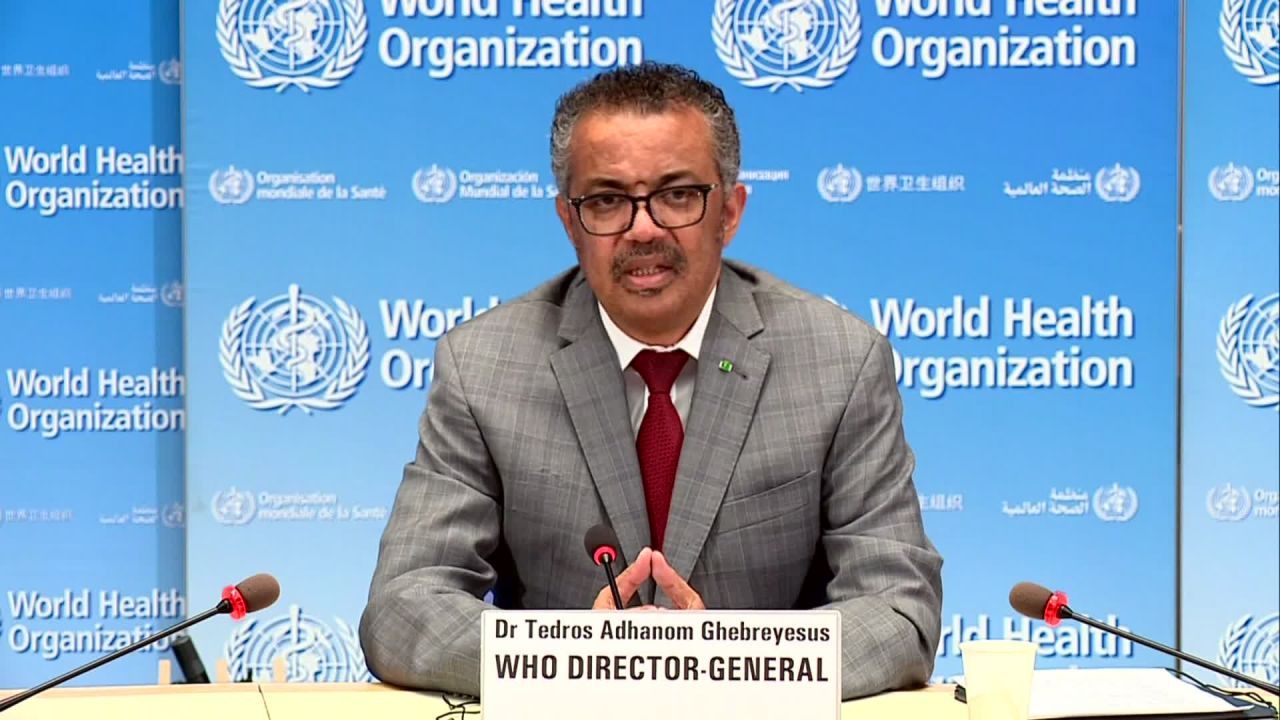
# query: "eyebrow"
607,183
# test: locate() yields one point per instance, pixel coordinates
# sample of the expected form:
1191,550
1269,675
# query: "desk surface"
267,701
253,701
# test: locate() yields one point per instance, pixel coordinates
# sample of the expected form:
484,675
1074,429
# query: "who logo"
231,185
1117,184
793,43
1228,503
1249,350
1251,645
1250,32
294,351
312,651
839,184
1115,503
434,185
292,43
233,507
1231,183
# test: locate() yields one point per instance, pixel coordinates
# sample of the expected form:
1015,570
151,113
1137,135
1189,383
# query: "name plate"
641,665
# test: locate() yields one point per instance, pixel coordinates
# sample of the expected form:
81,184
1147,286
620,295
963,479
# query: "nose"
644,229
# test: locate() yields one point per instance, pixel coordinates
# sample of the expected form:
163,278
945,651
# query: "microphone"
251,595
1038,602
184,650
602,546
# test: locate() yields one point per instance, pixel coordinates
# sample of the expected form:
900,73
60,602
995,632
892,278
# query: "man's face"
652,281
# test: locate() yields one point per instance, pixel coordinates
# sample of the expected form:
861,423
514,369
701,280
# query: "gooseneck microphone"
1038,602
251,595
602,545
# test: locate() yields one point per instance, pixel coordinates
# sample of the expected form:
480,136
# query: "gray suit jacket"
793,490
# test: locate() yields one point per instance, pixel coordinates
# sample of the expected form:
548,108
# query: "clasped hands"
651,563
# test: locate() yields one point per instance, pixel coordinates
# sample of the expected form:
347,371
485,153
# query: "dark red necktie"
661,436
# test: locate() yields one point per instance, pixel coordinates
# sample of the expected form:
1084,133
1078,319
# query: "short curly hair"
649,87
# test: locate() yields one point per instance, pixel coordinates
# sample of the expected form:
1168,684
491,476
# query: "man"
742,437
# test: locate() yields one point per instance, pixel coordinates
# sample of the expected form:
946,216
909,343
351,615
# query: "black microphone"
602,546
251,595
1038,602
184,650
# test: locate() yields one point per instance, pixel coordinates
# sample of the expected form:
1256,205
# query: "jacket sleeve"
886,575
421,627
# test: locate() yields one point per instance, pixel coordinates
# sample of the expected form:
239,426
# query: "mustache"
669,255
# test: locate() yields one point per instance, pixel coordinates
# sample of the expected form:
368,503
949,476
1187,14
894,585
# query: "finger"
629,581
636,574
604,600
669,581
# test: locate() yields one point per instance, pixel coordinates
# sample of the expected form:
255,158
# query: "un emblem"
1228,502
312,651
1116,503
797,43
234,507
1249,350
435,184
839,184
1252,646
1117,183
1250,32
1232,183
294,351
231,186
292,43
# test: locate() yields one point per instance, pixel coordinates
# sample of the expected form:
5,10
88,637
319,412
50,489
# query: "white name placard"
640,665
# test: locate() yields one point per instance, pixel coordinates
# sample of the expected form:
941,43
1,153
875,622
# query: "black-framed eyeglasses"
672,207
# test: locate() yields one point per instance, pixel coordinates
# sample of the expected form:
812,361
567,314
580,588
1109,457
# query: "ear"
735,202
565,213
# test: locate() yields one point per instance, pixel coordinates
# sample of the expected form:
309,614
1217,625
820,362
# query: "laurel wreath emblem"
1231,30
248,389
1135,184
855,185
237,648
832,66
1231,361
238,645
247,68
1219,193
1231,647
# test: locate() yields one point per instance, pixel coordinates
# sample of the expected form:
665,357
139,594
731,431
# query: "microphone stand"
1070,614
222,607
613,583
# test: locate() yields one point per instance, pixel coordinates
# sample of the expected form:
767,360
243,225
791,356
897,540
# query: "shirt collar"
628,347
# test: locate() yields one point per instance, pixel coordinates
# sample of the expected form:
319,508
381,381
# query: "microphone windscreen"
1030,599
600,536
259,592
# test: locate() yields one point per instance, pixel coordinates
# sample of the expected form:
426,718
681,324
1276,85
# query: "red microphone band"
1053,608
232,595
603,552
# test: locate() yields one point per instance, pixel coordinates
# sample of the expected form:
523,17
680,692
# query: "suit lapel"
591,382
724,403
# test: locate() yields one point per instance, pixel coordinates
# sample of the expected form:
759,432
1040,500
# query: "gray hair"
647,88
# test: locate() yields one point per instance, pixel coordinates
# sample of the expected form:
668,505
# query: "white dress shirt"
628,347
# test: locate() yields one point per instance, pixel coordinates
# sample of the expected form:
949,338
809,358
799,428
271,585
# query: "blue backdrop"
995,187
91,492
1231,340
